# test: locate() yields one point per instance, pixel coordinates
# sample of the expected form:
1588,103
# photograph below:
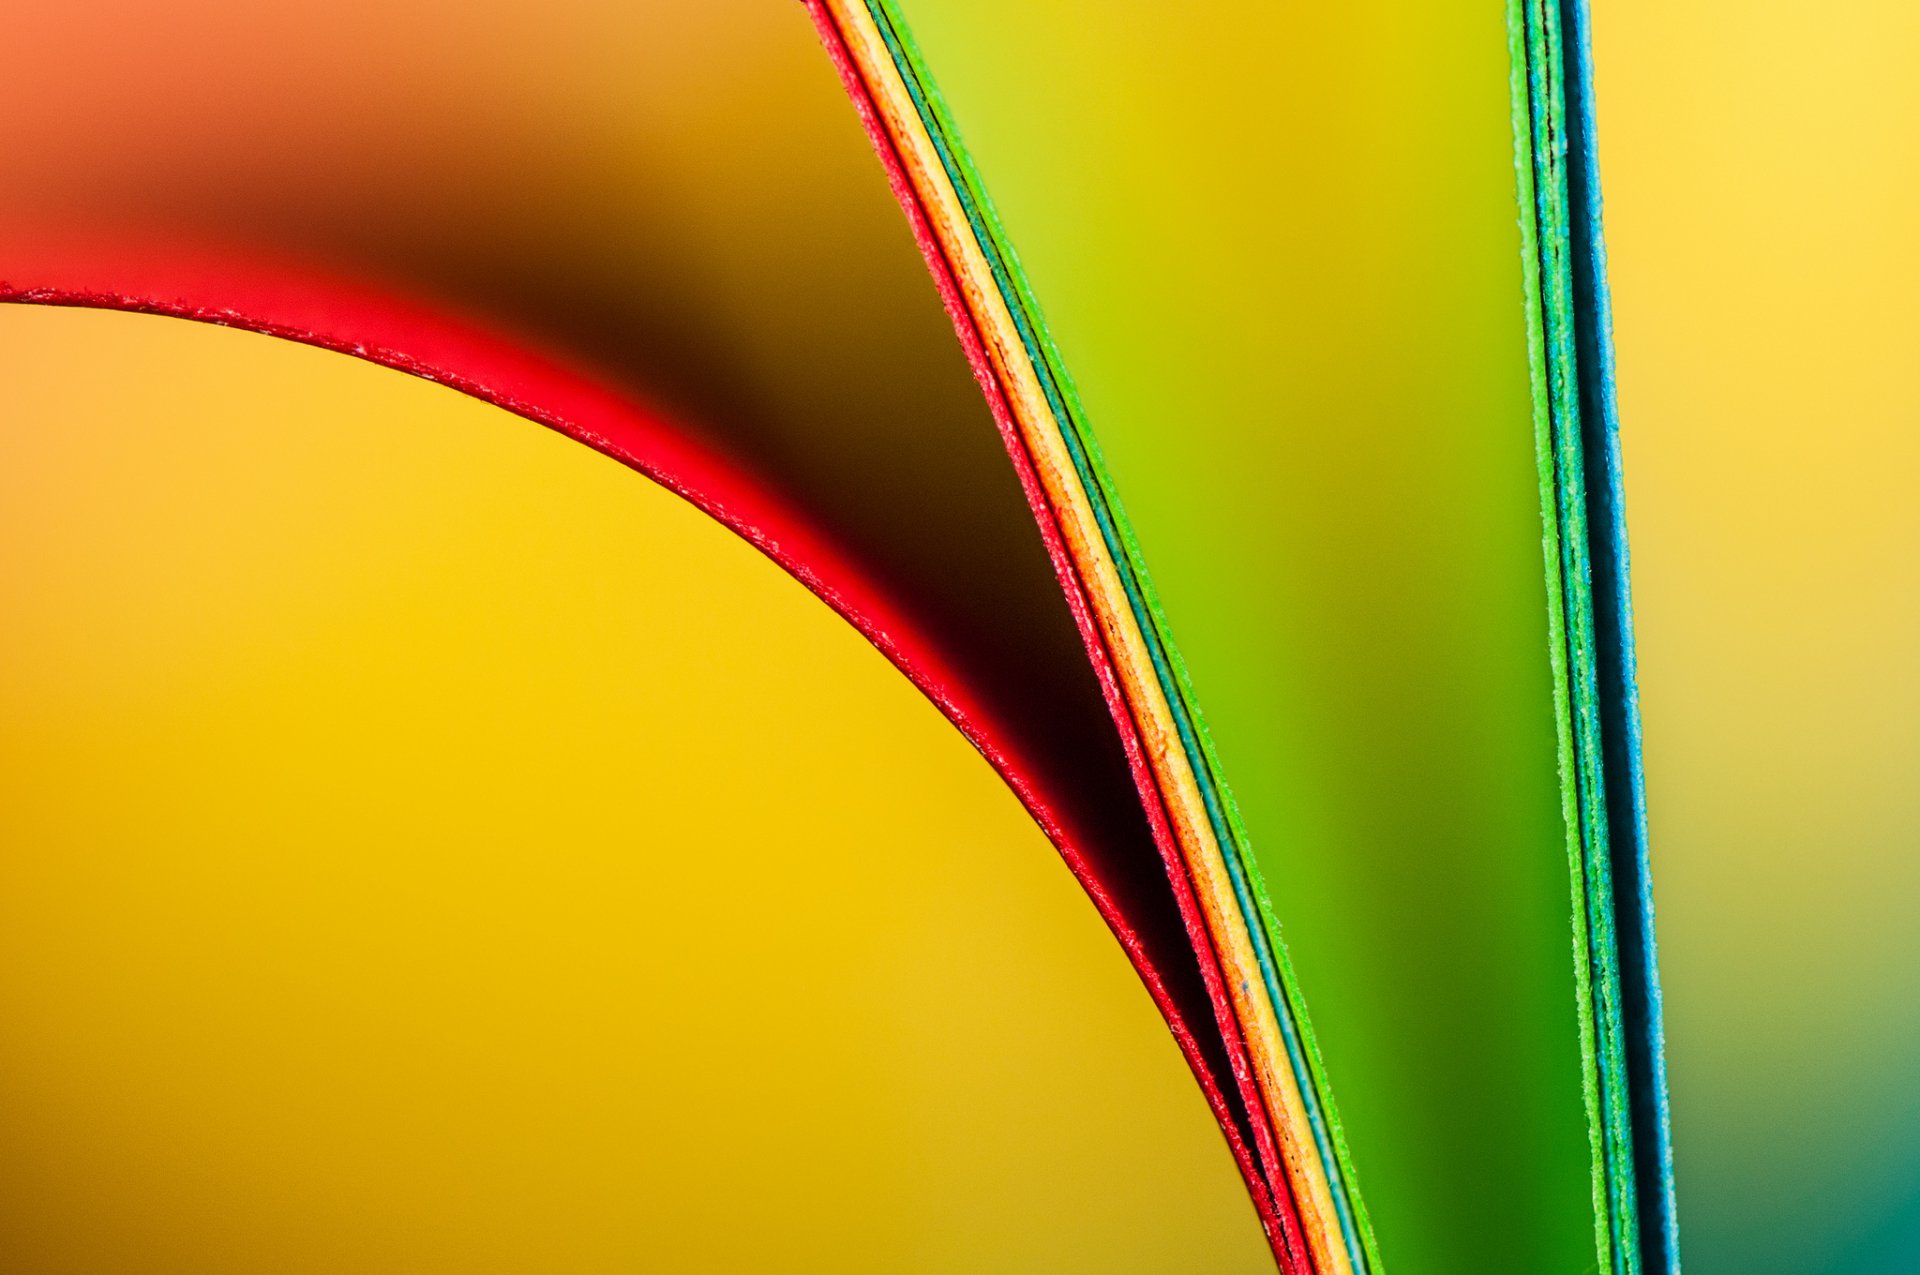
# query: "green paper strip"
1540,160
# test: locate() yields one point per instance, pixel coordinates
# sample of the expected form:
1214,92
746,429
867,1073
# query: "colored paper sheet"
702,297
1239,112
655,229
1315,1223
431,845
1286,316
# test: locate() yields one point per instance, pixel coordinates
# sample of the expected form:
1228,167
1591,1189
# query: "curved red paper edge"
1278,1215
303,305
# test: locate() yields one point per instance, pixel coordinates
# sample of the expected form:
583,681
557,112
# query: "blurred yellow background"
1762,170
431,846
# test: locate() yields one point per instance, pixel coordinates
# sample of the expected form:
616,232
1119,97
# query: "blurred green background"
1277,245
1277,248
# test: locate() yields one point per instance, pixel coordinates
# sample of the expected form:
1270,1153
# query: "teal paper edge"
1249,888
1530,235
1620,698
1590,623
